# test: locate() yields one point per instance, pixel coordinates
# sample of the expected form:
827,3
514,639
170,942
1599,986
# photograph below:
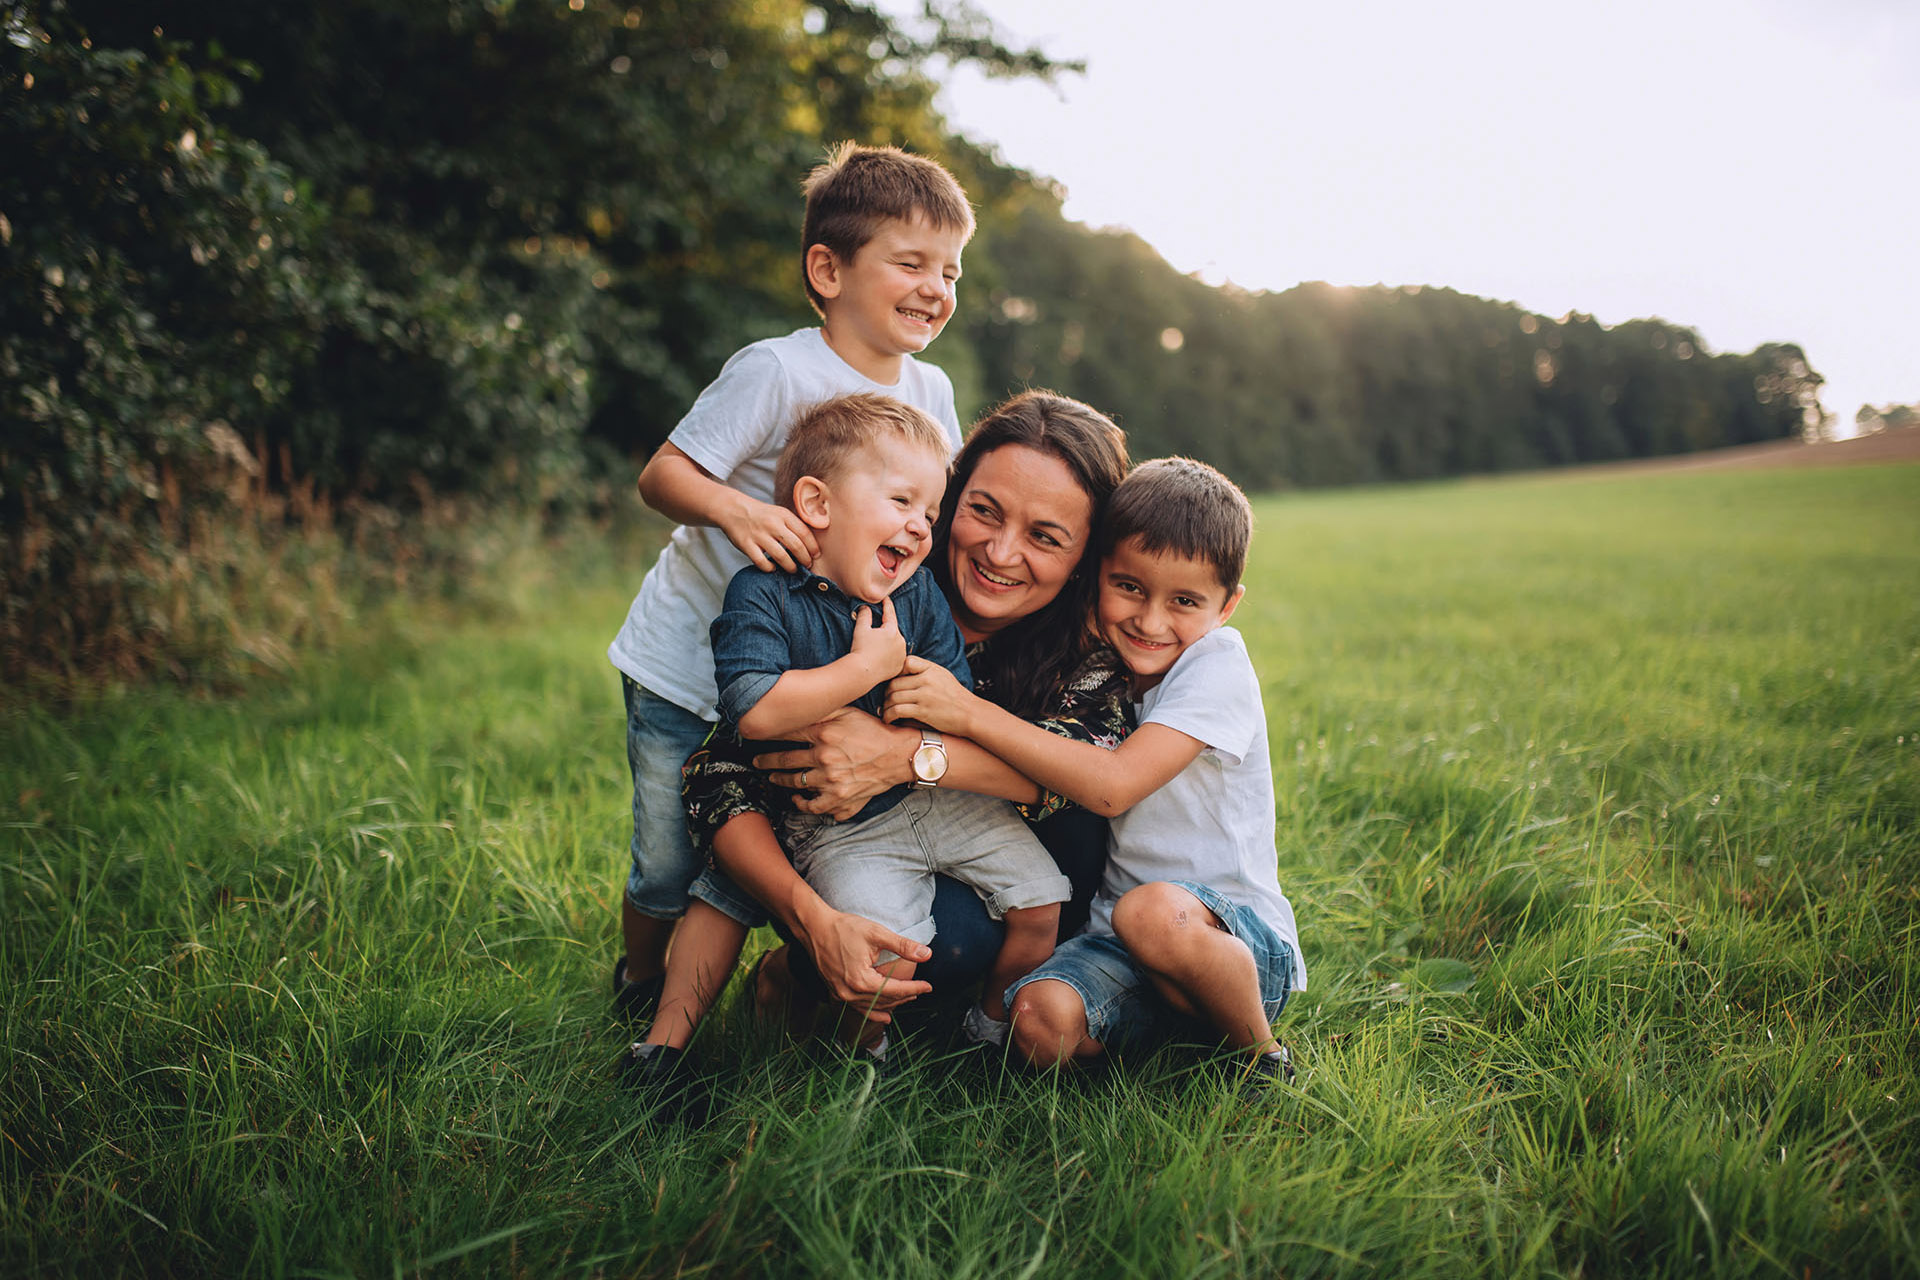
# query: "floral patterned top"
719,782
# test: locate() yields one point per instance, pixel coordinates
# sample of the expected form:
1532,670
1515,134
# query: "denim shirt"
775,622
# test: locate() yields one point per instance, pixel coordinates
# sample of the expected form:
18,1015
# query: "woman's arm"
855,757
844,946
1108,781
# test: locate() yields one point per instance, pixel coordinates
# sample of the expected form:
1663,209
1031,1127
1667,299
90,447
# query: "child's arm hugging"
685,492
802,695
1107,782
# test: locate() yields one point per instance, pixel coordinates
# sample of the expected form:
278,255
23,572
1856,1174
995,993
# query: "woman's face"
1020,527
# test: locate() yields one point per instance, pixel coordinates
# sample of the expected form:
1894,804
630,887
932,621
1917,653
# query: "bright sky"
1751,170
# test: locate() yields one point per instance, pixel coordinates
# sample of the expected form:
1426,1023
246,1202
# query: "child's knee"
1156,910
1048,1024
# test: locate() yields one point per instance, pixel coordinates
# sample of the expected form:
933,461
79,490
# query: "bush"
151,294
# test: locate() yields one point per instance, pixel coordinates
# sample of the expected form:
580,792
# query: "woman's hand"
927,692
845,947
853,758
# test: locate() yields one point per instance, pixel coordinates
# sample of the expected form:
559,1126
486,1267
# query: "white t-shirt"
736,430
1213,823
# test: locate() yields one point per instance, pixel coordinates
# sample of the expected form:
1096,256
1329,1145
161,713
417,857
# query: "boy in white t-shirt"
1190,923
883,235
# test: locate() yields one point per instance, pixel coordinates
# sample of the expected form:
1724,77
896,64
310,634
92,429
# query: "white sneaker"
980,1029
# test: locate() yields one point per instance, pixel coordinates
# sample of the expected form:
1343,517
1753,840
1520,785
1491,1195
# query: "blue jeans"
660,737
1123,1009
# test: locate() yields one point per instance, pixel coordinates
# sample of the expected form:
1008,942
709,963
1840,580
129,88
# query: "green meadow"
1599,803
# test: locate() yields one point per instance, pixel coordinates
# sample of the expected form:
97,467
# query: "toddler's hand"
772,537
929,693
882,650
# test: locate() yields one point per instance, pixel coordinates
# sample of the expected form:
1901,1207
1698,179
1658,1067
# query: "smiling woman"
1019,525
1010,554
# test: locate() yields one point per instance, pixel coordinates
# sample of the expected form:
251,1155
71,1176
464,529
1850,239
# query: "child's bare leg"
1050,1026
1030,937
706,946
1194,963
646,940
744,841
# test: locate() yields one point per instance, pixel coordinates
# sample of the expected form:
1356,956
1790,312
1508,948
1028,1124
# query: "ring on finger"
803,776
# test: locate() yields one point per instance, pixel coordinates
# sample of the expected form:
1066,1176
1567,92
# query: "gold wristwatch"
929,760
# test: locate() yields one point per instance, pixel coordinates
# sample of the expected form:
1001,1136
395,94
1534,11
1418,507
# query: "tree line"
1329,385
497,246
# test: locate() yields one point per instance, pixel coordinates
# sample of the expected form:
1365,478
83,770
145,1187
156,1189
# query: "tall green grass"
1599,800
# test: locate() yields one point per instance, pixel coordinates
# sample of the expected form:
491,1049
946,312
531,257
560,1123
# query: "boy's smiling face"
1154,604
893,297
874,518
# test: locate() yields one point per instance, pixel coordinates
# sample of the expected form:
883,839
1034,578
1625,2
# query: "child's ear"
1233,602
823,270
810,496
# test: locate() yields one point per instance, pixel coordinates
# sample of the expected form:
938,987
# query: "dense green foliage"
1329,385
1599,801
368,252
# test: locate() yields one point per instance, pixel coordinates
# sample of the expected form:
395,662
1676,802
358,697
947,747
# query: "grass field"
1599,802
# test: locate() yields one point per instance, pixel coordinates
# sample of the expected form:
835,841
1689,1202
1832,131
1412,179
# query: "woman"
1012,553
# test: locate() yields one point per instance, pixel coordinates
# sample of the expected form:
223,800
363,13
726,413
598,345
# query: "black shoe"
635,1001
1267,1070
660,1073
644,1065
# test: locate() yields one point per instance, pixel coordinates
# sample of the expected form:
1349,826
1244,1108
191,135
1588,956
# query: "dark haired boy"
1190,923
881,251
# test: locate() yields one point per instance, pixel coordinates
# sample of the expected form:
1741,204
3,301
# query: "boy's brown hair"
1187,508
859,187
828,435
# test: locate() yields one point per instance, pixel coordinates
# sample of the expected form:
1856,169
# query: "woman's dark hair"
1026,662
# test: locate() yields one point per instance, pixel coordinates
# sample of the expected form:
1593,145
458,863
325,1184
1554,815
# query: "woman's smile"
1018,530
993,579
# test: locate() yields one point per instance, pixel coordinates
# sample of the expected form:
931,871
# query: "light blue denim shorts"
660,737
1123,1009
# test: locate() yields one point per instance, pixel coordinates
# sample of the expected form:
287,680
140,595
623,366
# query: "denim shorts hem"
651,912
1271,954
1095,1005
1115,995
1046,891
1122,1007
718,890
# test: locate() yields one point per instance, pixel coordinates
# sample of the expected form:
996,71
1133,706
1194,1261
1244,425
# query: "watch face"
929,763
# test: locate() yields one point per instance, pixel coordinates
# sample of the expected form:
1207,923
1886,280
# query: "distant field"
1898,445
1599,801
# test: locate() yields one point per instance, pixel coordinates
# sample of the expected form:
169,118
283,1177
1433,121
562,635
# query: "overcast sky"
1751,170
